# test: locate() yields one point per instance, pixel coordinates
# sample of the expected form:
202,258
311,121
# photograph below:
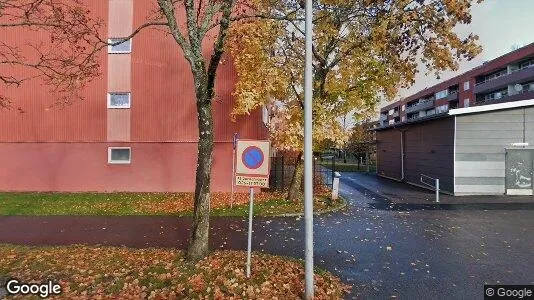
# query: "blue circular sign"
252,157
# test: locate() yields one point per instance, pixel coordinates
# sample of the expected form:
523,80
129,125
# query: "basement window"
125,47
119,100
119,155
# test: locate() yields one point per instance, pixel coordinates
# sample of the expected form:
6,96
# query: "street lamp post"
308,153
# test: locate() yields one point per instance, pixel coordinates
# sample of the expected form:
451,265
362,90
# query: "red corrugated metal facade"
78,167
66,149
81,121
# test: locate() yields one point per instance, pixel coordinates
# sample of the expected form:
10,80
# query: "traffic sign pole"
234,142
252,170
308,159
250,214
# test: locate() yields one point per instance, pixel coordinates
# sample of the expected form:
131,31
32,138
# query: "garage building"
481,150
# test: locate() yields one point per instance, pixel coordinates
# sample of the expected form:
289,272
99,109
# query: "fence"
324,166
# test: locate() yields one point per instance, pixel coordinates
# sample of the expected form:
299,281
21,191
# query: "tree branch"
219,44
167,8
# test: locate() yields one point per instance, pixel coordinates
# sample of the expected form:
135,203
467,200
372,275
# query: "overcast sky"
500,24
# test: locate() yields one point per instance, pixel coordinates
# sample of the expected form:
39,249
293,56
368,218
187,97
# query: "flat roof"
416,121
491,107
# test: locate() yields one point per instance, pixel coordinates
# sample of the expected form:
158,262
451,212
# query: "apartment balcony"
525,95
423,105
413,118
382,124
521,75
452,97
395,115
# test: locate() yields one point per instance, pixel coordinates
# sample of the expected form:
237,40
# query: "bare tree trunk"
199,244
204,79
296,180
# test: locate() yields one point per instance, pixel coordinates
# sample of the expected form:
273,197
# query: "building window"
524,87
442,94
466,86
119,155
492,76
119,100
526,64
466,102
403,107
125,47
497,95
442,108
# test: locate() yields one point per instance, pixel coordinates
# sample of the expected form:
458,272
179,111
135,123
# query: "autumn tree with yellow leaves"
363,50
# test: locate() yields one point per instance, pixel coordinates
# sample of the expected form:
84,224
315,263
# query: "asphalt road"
383,251
409,252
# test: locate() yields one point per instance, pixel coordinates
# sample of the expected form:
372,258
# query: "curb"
317,213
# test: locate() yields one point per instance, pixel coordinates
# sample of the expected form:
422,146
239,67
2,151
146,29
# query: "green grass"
137,204
276,207
346,167
38,204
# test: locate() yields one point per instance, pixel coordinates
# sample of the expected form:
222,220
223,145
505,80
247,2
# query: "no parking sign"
252,170
253,159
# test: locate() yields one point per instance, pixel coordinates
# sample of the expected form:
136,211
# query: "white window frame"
467,86
110,48
119,162
466,101
120,93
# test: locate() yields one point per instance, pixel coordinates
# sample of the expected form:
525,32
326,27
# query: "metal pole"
234,145
283,175
308,153
233,175
250,213
437,190
333,169
402,155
